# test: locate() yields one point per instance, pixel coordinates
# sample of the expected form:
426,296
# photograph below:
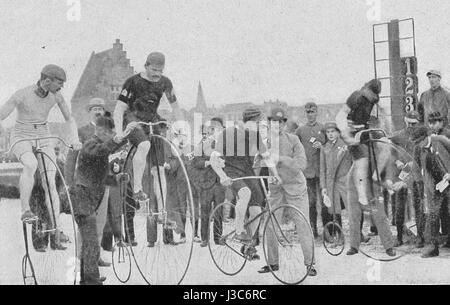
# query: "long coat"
335,164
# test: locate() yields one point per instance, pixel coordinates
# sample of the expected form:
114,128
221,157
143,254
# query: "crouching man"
87,192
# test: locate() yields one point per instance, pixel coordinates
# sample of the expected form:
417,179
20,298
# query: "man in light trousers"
289,155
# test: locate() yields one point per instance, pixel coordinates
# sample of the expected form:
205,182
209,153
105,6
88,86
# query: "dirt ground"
357,269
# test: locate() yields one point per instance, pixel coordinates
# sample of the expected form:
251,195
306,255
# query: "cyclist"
139,101
239,146
33,105
355,116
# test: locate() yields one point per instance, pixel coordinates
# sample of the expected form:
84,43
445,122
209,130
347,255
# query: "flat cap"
435,116
156,59
54,71
311,106
434,72
330,125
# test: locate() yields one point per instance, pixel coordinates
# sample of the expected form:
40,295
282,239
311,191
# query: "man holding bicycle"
139,101
33,105
290,158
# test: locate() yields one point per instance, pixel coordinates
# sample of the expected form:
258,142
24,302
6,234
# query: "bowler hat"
96,102
277,114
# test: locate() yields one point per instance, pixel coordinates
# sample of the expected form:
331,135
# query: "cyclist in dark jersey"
353,117
238,147
139,101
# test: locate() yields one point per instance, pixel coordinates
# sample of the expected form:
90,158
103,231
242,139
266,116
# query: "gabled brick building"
102,77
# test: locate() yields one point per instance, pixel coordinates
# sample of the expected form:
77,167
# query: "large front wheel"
289,243
54,249
161,230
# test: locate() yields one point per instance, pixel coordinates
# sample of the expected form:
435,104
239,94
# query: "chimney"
117,45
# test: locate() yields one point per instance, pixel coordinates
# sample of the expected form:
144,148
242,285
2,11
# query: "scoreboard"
410,83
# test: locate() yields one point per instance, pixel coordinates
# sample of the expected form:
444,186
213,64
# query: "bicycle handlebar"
39,139
253,177
360,133
154,124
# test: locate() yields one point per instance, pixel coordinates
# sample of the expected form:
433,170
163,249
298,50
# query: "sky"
241,51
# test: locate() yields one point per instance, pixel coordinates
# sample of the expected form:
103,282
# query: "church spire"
201,103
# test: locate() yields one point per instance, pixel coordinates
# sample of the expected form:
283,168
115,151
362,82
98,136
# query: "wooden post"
397,107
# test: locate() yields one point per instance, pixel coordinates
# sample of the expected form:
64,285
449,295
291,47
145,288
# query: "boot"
430,251
420,243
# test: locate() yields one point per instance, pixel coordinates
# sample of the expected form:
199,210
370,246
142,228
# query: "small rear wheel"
225,251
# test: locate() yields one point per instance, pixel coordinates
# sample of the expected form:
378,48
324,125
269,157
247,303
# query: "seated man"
139,101
353,117
239,146
33,105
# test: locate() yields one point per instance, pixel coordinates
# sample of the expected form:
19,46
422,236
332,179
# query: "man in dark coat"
87,192
408,174
211,191
433,156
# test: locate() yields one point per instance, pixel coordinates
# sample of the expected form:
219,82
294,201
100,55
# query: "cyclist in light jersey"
33,105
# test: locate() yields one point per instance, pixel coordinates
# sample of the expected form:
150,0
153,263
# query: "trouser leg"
312,195
355,212
90,250
432,224
382,224
418,190
401,198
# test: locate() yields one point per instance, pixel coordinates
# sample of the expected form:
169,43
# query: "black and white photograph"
233,143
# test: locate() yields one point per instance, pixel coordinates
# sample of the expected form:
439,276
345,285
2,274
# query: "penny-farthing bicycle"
161,230
290,228
44,263
382,156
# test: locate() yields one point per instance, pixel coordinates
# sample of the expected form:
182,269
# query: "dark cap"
330,125
419,133
278,114
105,122
156,59
434,72
54,71
311,106
251,114
412,117
435,116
